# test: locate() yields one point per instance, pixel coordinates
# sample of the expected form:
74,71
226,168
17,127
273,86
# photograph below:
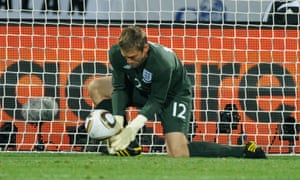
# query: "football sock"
105,104
208,149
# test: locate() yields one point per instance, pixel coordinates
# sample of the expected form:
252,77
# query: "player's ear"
146,48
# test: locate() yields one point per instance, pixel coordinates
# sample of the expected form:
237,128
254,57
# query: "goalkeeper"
151,77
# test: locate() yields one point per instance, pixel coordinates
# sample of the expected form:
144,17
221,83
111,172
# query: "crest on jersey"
147,76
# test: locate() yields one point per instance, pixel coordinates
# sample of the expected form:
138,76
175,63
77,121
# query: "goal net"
242,58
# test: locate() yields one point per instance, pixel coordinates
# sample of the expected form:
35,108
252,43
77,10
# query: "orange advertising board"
256,69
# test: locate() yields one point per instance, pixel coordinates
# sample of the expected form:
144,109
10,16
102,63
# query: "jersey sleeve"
119,95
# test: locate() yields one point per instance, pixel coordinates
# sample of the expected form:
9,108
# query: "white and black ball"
101,124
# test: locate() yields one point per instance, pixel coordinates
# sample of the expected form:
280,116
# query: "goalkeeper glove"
120,121
123,139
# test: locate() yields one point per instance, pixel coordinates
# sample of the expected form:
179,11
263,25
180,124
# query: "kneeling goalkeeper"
152,78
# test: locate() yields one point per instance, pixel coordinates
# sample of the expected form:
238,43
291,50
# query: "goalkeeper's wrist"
138,122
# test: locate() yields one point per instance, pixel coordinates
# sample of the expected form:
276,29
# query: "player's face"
135,57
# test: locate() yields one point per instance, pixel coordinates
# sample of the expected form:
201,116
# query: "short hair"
132,37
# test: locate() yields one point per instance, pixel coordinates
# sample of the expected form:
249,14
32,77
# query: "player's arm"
164,64
155,102
119,94
159,92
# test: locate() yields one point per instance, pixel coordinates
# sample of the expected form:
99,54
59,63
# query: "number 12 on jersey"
179,110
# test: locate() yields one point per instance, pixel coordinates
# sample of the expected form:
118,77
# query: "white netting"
243,53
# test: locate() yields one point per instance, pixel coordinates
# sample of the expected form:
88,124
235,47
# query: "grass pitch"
73,166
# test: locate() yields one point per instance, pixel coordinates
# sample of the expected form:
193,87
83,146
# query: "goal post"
244,69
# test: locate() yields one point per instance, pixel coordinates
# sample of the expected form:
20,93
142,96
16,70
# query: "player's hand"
120,120
110,150
123,139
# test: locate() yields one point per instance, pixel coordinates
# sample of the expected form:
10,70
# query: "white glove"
123,139
120,121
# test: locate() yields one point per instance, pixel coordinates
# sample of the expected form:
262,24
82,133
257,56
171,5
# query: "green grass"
73,166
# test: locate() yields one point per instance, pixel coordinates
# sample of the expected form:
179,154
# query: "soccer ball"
100,124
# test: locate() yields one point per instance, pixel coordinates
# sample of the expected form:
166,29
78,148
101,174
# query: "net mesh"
243,65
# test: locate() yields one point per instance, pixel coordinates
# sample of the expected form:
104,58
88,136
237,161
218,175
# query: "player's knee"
99,89
178,151
177,145
92,89
178,154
